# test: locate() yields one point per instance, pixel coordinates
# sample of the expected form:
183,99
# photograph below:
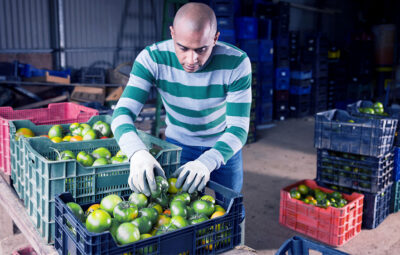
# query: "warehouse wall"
91,28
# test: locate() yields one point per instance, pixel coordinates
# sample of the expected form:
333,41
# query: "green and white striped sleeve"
131,103
238,103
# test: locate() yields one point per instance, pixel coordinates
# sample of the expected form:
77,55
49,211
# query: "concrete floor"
281,156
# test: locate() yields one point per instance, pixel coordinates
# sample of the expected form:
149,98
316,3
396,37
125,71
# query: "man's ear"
171,29
216,37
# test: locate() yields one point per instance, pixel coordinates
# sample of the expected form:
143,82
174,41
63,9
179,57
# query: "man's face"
193,48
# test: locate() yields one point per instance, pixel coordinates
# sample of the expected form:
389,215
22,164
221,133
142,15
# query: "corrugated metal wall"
91,28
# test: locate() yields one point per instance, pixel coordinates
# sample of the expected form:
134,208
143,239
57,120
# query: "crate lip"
60,205
308,244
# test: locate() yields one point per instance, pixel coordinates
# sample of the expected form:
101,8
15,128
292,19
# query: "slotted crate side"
55,114
360,173
396,171
333,226
395,198
376,208
17,154
44,178
223,233
301,246
338,131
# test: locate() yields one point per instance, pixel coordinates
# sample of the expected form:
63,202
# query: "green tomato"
101,152
184,197
139,199
74,126
100,162
162,200
163,182
77,131
102,128
120,154
197,218
127,233
118,160
179,221
150,213
125,211
98,221
84,158
77,211
65,155
143,223
89,135
178,208
166,229
109,202
55,131
203,207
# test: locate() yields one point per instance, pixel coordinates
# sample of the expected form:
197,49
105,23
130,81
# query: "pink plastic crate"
59,113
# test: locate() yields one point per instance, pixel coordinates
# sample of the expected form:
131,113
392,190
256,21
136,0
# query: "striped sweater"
210,107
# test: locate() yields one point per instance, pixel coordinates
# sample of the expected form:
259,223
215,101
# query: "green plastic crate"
17,149
44,177
395,199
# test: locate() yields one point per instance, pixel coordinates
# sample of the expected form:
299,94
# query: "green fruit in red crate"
324,203
208,198
125,211
178,208
149,212
184,197
89,135
77,131
143,223
295,194
127,233
336,195
320,195
102,127
203,207
55,131
109,202
100,162
303,189
73,126
306,200
162,200
66,155
98,221
101,152
25,132
118,160
342,202
166,229
197,218
179,221
84,158
77,211
139,199
163,182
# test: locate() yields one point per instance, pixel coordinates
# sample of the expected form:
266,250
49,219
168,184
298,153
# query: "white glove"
141,176
194,175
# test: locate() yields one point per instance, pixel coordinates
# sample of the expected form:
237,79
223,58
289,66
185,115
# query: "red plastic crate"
59,113
333,226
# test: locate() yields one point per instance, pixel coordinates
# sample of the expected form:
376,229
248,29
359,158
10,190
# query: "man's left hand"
193,175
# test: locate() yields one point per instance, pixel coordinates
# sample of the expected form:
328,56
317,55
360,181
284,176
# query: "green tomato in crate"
101,152
190,211
77,131
109,202
156,193
166,229
178,208
74,126
84,158
144,236
118,160
336,195
320,195
101,162
295,194
179,221
324,203
163,182
25,132
98,221
139,199
208,198
197,218
378,107
149,212
113,229
120,154
219,208
55,131
102,128
85,126
77,211
172,189
303,189
162,200
143,223
125,211
203,207
342,202
183,197
89,135
66,155
127,233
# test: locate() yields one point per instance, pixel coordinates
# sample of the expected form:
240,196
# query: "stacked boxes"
224,11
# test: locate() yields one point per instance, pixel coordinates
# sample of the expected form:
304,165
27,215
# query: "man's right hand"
141,176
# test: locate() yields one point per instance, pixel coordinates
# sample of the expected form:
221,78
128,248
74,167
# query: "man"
205,87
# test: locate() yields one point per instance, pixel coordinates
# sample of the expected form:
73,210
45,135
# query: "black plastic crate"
281,96
360,173
338,131
193,239
376,208
91,75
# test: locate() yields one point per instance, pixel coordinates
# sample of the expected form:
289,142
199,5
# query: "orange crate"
333,226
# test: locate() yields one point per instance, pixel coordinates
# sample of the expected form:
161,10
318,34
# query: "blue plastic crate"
301,75
266,50
300,90
395,199
299,105
227,35
396,170
246,27
360,173
282,78
376,207
193,239
338,131
266,70
301,246
251,48
225,23
264,113
224,8
28,71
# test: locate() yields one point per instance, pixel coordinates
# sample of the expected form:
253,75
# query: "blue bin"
227,35
301,246
266,50
251,48
224,23
247,28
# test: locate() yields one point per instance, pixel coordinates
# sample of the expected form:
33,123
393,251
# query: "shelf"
28,83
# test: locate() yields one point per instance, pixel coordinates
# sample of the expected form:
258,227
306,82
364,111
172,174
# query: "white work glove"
194,175
141,176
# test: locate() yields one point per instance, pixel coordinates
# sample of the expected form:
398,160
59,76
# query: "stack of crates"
294,49
252,135
224,11
316,54
356,154
301,82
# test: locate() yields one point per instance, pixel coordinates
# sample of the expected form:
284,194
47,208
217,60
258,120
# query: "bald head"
196,17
